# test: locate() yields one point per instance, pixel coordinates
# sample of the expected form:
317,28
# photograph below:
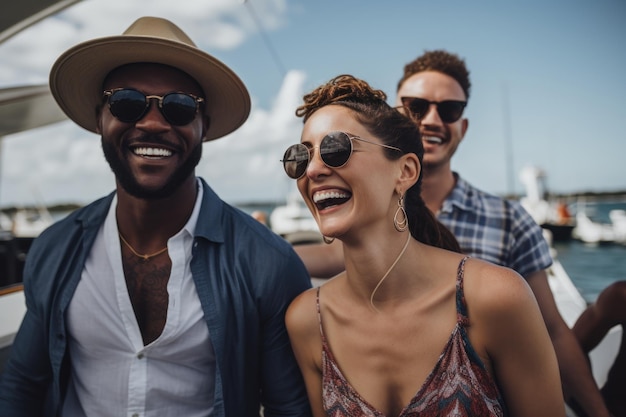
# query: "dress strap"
319,315
461,306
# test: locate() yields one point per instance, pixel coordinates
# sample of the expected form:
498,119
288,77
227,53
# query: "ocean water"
593,267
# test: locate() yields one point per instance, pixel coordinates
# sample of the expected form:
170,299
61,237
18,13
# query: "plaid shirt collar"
462,196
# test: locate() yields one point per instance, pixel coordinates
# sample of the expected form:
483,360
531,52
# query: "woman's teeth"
317,197
324,199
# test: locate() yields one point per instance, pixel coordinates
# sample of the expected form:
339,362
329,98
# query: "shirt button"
136,415
139,356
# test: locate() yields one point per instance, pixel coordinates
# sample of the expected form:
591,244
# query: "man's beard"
126,179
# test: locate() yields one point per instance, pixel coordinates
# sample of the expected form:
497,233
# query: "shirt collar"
190,226
462,196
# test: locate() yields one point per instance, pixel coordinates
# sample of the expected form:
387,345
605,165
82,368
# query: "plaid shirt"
495,229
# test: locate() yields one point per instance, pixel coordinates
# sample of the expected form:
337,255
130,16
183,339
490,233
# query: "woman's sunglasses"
335,151
449,110
129,105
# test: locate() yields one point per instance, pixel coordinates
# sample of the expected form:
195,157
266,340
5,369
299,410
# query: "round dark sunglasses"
449,110
129,105
335,151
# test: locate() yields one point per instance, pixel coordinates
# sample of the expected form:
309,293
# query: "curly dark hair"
441,61
341,88
393,129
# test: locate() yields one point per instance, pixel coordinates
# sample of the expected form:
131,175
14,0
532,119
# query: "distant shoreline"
568,198
589,196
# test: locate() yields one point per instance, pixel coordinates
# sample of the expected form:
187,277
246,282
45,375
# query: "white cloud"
216,24
245,166
64,163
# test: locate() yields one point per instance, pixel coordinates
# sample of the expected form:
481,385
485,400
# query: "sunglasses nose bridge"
316,164
151,99
152,112
315,156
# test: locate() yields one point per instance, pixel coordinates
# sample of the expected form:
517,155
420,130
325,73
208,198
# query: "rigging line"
508,143
265,38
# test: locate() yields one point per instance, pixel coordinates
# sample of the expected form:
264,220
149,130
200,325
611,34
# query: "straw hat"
77,75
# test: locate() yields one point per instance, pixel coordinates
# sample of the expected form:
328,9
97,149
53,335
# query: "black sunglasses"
335,151
449,110
129,105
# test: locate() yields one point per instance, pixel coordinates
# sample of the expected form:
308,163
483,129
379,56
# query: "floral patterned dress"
459,385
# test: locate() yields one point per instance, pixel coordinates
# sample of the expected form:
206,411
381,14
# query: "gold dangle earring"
400,219
328,240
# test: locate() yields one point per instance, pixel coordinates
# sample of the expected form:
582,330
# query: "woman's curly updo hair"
340,88
394,129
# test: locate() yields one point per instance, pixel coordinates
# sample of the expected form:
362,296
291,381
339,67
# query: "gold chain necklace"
406,245
144,257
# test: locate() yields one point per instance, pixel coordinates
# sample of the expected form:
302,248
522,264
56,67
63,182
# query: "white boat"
571,305
294,221
593,232
21,108
12,310
568,299
590,229
27,223
18,229
551,215
618,219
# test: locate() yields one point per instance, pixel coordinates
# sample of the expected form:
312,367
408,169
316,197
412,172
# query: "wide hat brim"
76,78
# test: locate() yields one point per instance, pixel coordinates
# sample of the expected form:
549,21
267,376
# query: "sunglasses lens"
450,111
179,109
336,149
417,107
127,105
295,160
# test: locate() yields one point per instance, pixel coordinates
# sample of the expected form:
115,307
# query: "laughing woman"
411,327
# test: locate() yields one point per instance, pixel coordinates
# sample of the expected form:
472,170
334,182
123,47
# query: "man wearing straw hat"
159,299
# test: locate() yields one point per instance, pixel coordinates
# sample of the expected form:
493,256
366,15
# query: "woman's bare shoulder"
502,310
493,289
301,314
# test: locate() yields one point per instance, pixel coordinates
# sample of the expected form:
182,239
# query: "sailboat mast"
508,141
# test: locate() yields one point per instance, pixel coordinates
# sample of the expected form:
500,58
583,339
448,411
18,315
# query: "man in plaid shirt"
434,90
494,229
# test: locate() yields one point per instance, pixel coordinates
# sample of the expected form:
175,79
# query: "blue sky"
558,66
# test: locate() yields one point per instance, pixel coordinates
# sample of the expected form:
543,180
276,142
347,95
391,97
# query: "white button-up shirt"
113,373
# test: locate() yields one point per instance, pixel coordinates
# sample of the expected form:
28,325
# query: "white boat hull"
571,304
12,310
588,231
